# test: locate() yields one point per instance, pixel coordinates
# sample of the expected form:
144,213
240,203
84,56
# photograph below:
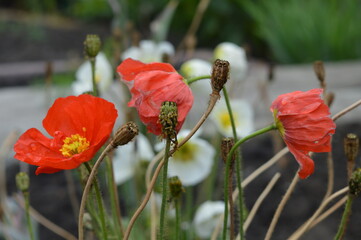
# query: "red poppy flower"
303,119
151,85
79,127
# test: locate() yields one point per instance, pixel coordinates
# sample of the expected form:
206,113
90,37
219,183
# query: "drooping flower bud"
220,73
175,187
92,45
125,134
351,146
355,182
168,118
22,181
226,146
320,71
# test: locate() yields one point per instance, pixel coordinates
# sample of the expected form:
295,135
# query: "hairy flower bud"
355,182
125,134
351,146
22,181
226,146
175,187
92,45
220,73
168,118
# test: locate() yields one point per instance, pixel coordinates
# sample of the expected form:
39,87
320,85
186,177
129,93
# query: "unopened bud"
92,45
226,146
351,146
220,74
320,71
22,181
175,187
125,134
355,182
168,118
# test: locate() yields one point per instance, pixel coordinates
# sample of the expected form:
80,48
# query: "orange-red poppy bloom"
303,119
79,127
151,85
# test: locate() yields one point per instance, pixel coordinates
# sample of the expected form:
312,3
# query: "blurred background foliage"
284,31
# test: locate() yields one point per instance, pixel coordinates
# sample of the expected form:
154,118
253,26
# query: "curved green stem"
100,204
177,219
228,161
195,79
114,201
345,217
164,190
238,174
95,87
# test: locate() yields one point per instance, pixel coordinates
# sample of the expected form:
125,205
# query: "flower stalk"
238,168
229,156
168,118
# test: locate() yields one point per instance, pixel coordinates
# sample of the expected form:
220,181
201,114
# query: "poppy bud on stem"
175,187
320,73
351,146
220,73
125,134
168,118
92,45
22,183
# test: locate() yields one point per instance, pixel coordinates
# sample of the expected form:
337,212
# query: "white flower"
206,218
195,68
236,56
242,114
127,158
192,162
149,51
103,75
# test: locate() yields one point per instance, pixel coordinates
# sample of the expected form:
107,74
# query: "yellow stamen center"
186,152
73,145
226,120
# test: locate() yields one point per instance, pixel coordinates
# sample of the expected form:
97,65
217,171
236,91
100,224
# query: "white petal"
132,52
206,217
128,156
103,74
236,56
149,51
165,47
193,171
243,117
123,163
195,67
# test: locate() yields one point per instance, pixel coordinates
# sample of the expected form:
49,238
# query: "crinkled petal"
305,162
130,68
297,102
